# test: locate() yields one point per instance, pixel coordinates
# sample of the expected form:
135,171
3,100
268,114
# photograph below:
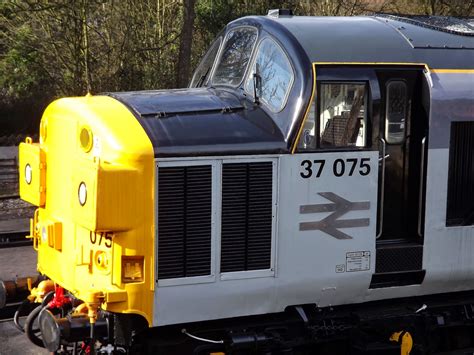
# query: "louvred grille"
460,209
184,221
246,216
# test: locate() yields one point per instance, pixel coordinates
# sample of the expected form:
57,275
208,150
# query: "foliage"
54,48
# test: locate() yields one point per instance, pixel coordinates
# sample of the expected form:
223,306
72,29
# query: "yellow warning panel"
32,172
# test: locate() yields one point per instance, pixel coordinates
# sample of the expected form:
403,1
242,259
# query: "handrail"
382,191
422,186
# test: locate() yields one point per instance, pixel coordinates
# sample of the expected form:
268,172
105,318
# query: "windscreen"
201,75
235,56
275,72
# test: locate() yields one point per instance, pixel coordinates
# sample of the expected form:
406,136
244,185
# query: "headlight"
82,193
28,174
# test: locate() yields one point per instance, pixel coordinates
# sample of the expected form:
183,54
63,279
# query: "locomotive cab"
356,107
314,170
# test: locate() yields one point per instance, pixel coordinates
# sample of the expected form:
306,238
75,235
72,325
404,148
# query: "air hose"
31,332
27,304
47,298
18,313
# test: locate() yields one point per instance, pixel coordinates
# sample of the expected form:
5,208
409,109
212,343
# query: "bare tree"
460,8
333,7
185,46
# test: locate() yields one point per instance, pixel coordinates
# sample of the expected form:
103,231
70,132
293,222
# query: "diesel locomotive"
311,191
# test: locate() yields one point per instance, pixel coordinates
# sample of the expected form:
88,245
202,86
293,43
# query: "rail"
9,170
14,239
8,178
7,312
9,197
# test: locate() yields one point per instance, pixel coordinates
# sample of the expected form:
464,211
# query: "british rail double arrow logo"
332,224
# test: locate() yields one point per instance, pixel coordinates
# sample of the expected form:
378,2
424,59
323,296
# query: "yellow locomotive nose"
93,222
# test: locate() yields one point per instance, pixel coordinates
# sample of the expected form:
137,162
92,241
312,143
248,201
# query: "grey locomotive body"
322,162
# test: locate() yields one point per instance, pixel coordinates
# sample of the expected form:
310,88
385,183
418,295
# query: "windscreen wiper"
202,78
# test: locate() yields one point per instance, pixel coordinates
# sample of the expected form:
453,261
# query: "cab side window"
342,115
274,73
341,120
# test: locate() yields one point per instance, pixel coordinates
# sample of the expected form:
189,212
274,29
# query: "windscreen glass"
274,73
201,75
235,56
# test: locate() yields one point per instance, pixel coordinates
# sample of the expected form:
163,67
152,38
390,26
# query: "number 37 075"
340,167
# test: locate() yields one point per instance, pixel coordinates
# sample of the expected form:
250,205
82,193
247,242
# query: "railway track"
8,178
9,169
14,239
9,191
7,312
16,236
9,197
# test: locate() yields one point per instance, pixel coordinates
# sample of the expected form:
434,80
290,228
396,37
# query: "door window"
342,118
396,112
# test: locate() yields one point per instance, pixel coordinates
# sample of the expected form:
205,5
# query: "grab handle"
382,186
422,186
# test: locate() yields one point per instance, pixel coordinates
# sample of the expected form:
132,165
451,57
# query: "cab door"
401,139
328,194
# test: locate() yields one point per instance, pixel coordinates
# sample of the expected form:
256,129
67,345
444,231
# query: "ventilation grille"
246,216
184,221
460,209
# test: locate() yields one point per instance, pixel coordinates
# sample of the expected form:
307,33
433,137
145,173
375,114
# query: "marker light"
85,139
28,174
82,193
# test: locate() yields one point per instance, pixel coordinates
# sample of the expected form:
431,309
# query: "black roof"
383,38
222,120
